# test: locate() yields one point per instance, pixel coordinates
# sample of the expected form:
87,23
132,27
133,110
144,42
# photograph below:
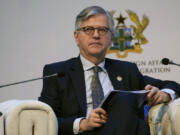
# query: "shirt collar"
88,65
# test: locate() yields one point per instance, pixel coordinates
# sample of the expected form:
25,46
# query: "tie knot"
96,69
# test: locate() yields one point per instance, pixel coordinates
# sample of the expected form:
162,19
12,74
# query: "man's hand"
156,96
96,118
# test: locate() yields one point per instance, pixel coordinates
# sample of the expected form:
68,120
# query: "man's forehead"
96,19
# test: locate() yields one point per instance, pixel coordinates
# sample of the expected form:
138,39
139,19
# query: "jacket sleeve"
51,94
162,84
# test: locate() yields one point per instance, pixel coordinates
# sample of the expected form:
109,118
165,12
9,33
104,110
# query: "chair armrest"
155,116
164,119
171,120
1,124
28,117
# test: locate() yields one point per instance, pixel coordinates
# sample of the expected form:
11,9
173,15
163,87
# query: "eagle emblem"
128,38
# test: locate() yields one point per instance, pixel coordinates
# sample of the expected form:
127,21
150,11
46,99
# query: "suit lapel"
115,75
78,80
77,76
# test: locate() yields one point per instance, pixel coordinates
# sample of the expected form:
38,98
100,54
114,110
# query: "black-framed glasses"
89,30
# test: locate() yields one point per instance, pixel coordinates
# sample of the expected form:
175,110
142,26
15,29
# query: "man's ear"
76,37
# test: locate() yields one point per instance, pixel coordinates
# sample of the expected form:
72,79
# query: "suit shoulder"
61,65
121,63
62,62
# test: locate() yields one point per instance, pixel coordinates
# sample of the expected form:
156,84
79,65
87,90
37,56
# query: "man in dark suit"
71,95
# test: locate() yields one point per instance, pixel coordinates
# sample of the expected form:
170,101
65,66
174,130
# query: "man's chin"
96,50
97,54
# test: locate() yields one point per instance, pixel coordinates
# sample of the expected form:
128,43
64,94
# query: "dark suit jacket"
67,94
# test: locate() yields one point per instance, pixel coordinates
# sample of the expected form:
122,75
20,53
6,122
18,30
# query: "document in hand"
140,95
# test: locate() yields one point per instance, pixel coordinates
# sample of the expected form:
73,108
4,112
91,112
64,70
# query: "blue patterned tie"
97,90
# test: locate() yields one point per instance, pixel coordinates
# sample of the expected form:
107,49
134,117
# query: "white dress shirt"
88,74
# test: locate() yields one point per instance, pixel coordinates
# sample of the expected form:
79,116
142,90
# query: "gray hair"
92,11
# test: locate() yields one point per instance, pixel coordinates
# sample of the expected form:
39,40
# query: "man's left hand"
156,96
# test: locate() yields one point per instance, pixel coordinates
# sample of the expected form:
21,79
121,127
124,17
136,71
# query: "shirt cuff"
171,92
76,125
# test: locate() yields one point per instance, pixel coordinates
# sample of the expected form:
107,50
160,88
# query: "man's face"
94,44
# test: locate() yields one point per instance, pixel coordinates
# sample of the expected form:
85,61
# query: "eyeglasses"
90,30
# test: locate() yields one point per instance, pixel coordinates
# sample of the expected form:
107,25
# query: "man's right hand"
96,119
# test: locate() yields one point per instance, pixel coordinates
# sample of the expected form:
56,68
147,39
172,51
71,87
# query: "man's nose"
96,34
